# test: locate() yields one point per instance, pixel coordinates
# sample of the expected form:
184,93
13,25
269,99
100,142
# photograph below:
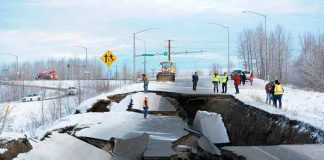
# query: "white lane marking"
266,153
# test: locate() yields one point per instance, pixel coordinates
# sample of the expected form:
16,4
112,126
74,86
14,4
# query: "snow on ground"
3,150
11,136
25,117
65,83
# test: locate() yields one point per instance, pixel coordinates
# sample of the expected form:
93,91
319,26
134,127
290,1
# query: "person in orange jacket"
145,106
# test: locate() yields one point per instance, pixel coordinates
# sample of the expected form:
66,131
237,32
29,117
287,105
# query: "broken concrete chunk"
211,126
205,144
131,148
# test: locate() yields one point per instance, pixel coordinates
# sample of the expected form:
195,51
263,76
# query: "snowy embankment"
305,106
26,117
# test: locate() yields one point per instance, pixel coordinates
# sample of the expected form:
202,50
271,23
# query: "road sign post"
108,58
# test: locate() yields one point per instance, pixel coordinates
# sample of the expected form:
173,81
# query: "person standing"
145,106
224,82
278,92
146,82
251,78
216,81
268,89
237,82
195,79
272,92
243,78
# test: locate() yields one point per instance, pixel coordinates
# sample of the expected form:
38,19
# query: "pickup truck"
31,97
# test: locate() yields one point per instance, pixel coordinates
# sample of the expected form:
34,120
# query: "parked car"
235,71
72,90
31,97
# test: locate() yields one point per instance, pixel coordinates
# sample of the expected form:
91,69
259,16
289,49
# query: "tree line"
273,56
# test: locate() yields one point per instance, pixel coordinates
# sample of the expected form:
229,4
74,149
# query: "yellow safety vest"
278,90
216,78
224,78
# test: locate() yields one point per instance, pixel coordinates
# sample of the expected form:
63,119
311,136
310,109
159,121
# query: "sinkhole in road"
246,125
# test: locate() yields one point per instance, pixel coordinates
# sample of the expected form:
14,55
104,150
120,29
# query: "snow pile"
3,150
211,126
11,136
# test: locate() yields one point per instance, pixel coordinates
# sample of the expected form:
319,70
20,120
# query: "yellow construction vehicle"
166,72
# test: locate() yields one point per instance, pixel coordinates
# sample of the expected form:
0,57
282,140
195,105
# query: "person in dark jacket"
243,78
272,92
224,82
237,82
195,79
268,89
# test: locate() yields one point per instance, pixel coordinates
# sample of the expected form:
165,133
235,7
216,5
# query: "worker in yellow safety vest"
216,80
224,79
277,93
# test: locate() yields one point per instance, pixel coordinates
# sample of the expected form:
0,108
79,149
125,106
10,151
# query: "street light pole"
228,39
266,41
144,53
86,59
134,49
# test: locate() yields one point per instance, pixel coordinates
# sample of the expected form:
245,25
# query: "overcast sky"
42,29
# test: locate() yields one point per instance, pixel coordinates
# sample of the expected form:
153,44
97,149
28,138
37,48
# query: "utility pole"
169,50
153,72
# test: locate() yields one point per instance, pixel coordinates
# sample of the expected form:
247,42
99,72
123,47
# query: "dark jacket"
195,78
272,89
268,87
243,78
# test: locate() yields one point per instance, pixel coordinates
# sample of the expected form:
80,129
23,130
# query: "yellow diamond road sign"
108,58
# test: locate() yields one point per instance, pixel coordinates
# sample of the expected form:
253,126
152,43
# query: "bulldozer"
167,69
166,72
